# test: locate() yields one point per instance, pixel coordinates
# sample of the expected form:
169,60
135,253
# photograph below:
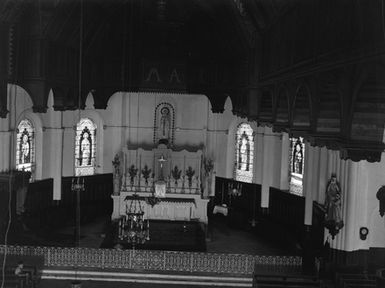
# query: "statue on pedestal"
333,213
165,122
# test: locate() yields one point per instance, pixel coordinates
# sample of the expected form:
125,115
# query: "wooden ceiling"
311,68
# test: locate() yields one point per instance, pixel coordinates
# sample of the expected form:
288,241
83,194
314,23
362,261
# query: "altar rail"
174,261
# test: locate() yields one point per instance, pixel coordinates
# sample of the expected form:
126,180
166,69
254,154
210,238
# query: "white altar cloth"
174,209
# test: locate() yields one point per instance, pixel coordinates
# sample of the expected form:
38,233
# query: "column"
268,155
56,136
308,182
285,147
353,213
322,175
5,151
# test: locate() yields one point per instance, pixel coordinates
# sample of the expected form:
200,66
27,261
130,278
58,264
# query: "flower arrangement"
176,173
132,171
146,173
190,173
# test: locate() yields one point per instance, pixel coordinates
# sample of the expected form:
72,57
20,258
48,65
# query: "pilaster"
308,179
5,151
267,172
284,177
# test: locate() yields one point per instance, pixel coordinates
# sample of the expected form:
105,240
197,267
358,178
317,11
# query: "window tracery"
297,161
25,146
244,153
85,147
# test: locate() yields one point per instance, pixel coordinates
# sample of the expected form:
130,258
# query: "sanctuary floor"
221,238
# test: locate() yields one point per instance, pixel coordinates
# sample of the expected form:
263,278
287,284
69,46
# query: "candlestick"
140,167
125,163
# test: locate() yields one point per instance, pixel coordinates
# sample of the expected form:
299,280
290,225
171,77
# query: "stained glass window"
25,146
297,161
85,147
244,153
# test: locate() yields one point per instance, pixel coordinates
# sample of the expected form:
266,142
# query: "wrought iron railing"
153,260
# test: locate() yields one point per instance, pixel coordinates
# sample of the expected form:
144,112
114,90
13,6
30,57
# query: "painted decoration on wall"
25,146
244,153
85,147
297,161
164,124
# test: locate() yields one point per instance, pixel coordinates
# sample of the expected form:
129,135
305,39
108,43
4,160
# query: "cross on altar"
161,161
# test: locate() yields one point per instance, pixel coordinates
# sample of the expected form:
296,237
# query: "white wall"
125,122
128,120
359,182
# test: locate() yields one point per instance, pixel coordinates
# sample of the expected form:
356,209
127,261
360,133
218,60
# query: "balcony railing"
175,261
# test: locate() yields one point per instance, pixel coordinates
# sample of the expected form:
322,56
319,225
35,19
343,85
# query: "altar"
167,182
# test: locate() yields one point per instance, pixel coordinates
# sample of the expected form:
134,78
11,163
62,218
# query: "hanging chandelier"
133,229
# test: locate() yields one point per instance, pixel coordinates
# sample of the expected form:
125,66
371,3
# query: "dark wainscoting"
317,229
39,203
243,209
95,201
41,211
287,212
15,182
287,209
357,261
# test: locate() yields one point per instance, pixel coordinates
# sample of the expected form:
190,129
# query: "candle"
140,165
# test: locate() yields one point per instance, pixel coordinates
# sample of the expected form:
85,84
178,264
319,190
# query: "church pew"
29,280
12,280
343,279
276,280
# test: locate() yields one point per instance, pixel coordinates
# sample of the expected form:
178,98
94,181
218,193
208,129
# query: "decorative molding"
39,109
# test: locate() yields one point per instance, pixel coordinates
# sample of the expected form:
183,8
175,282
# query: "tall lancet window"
85,147
297,161
244,154
25,146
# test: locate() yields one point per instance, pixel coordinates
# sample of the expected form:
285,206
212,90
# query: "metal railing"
154,260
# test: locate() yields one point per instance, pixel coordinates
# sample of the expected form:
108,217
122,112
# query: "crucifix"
161,161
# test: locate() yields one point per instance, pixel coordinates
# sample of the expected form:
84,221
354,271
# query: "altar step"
154,278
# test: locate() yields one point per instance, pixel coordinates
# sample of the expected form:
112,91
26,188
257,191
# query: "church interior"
166,143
